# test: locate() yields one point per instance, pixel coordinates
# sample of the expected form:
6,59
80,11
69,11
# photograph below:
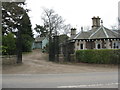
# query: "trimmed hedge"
104,56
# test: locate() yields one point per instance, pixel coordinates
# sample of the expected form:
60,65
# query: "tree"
41,30
63,38
26,43
26,33
12,14
53,23
9,44
117,25
16,21
15,18
114,27
66,29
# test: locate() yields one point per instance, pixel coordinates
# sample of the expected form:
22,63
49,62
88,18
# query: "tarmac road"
69,80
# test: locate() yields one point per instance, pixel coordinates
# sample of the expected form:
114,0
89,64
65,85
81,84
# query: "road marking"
90,85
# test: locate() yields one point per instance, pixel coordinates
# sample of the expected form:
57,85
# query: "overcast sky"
76,12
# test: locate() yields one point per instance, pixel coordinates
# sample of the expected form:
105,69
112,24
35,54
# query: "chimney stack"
73,31
96,22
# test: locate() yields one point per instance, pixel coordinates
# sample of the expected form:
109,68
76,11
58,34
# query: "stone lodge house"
99,37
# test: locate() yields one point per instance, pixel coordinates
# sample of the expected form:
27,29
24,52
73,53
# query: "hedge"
104,56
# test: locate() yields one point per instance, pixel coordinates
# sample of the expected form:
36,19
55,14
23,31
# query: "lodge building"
99,37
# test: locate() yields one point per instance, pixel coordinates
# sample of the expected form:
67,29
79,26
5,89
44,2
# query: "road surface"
68,80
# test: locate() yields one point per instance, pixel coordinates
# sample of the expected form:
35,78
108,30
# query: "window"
115,45
81,46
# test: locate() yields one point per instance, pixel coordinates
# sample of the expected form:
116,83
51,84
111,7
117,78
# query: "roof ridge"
95,32
105,32
77,35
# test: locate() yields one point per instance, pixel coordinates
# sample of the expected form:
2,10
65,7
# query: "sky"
78,13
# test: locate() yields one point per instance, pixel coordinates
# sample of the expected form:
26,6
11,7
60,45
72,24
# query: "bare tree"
116,26
54,24
66,29
53,21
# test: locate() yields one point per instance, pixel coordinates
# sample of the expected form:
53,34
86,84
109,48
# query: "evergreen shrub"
104,56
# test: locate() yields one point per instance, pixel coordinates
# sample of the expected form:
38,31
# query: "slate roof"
96,33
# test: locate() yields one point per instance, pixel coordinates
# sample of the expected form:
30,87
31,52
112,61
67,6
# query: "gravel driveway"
37,62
